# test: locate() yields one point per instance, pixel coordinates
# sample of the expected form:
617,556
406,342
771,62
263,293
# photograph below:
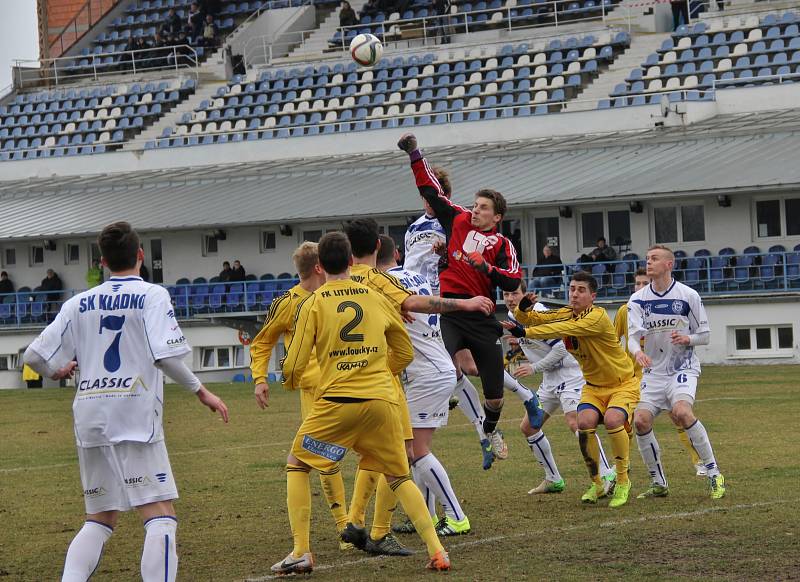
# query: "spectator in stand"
94,276
141,57
52,285
194,22
237,273
6,286
679,8
442,9
172,24
370,9
547,273
209,32
225,273
347,16
601,254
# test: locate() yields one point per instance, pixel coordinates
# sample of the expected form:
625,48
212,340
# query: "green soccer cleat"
655,490
388,545
548,487
450,527
620,497
717,486
488,455
594,493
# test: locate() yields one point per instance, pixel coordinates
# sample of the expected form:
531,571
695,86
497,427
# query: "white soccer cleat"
700,470
291,565
499,446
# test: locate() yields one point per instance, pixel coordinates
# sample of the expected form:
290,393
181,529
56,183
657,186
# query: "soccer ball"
366,49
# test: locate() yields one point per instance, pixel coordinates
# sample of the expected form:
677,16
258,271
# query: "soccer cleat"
620,497
488,455
440,562
548,487
700,470
291,565
609,482
717,486
345,546
387,546
452,403
353,534
407,527
499,446
535,412
592,494
450,527
655,490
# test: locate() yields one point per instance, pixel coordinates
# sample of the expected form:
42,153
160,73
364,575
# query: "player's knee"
614,419
643,422
682,415
495,404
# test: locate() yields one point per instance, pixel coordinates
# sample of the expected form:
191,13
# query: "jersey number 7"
111,359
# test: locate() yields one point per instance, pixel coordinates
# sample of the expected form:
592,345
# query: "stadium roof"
729,154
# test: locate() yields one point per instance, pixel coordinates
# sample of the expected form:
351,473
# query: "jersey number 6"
111,359
345,334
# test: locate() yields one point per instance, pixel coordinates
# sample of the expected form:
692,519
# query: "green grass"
232,512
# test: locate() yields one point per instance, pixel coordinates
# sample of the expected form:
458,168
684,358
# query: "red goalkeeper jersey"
457,276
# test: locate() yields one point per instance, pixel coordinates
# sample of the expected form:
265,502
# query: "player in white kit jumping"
123,336
671,319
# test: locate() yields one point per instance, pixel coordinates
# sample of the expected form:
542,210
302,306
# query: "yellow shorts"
306,402
625,397
371,428
405,415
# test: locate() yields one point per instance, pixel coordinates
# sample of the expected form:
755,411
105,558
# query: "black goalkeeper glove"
525,304
518,330
408,143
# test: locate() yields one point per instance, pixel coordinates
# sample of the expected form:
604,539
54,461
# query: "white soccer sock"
540,447
430,498
699,438
512,384
435,476
651,455
470,404
605,467
159,556
85,551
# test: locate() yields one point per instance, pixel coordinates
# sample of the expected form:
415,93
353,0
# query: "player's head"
582,291
363,236
488,209
660,261
306,261
444,181
512,298
334,251
388,256
120,248
640,279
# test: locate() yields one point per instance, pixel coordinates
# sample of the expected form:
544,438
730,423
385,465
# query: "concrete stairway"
317,42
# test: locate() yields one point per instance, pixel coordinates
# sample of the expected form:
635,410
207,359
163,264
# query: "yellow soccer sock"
621,447
366,481
591,453
333,488
687,444
298,501
414,506
385,504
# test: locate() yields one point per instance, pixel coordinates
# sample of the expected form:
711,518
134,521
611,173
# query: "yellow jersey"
388,285
357,355
589,336
280,320
621,327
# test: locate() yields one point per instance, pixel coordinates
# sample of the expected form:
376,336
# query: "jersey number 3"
346,334
111,359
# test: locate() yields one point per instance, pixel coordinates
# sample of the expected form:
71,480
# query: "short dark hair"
640,272
584,277
386,252
363,236
225,263
119,245
498,200
443,176
602,238
334,252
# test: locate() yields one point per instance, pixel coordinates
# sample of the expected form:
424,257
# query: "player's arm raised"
588,325
301,346
431,304
279,319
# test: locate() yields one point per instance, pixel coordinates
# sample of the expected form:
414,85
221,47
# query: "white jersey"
419,255
115,331
567,371
430,355
655,316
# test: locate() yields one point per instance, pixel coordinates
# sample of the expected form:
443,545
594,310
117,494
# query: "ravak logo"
346,366
171,314
162,477
95,492
138,481
174,342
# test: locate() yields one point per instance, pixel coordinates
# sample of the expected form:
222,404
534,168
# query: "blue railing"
725,274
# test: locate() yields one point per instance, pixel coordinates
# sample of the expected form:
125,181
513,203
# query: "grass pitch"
232,513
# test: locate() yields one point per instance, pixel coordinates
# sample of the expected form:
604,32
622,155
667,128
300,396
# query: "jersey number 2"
111,359
346,334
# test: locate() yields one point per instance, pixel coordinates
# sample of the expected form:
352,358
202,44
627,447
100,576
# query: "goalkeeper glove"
525,303
518,330
478,263
408,143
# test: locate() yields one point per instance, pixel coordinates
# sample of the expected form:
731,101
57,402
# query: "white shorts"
565,396
660,393
428,398
126,475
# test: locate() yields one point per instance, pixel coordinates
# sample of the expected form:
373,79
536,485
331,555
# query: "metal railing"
88,15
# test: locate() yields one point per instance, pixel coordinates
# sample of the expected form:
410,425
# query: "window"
8,361
9,257
613,225
775,218
72,254
684,223
37,255
210,246
763,341
312,235
222,357
268,241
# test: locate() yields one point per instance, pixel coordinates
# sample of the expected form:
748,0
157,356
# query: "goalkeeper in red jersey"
478,260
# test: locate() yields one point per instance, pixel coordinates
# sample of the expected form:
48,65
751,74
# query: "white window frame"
262,247
773,352
31,254
782,236
67,248
324,229
679,224
3,260
233,352
593,244
10,361
204,245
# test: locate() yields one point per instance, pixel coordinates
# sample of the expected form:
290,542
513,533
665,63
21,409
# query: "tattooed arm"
431,304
